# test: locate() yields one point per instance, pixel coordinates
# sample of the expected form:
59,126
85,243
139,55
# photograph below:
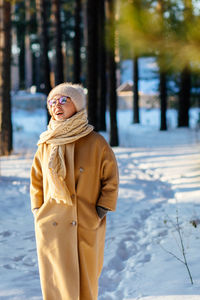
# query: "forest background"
85,41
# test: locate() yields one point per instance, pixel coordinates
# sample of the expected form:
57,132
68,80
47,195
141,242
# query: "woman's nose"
57,103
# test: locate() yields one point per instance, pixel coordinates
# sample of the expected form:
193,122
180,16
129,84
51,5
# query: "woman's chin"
59,117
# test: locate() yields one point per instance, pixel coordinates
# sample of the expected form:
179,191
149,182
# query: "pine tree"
102,85
41,8
136,118
163,100
184,98
5,64
77,42
28,54
185,77
92,60
162,75
57,37
112,73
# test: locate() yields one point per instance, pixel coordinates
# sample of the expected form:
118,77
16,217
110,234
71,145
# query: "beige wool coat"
70,239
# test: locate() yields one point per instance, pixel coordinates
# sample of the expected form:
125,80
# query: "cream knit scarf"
59,134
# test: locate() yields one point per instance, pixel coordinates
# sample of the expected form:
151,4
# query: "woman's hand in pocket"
35,210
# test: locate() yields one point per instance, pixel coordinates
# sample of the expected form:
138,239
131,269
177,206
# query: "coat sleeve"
36,186
109,180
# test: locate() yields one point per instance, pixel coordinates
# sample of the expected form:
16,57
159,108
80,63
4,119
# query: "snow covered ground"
159,182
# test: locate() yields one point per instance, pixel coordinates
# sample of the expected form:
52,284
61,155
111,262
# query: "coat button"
54,223
73,223
81,170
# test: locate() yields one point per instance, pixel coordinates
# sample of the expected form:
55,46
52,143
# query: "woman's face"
61,111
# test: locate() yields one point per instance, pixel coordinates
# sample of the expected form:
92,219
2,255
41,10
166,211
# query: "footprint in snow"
18,258
5,233
9,266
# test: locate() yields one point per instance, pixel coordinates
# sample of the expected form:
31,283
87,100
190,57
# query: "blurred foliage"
168,29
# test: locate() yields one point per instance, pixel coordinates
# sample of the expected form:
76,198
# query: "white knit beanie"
74,91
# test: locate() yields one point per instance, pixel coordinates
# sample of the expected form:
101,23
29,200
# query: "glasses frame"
62,100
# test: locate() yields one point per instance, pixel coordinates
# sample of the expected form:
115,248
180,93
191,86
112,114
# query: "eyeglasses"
62,100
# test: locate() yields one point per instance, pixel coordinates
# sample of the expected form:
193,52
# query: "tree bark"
5,78
184,98
77,42
163,76
21,30
28,54
41,8
92,60
136,118
59,74
163,100
102,86
112,74
185,78
15,64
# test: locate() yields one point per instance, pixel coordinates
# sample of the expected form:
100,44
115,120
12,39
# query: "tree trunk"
21,30
41,7
92,60
22,62
5,75
185,80
136,118
184,98
112,74
44,66
15,64
138,6
163,76
102,86
28,54
59,74
77,42
163,100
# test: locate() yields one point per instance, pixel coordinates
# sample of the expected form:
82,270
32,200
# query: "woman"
74,182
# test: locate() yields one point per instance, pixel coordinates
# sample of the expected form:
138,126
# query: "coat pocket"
87,216
40,210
